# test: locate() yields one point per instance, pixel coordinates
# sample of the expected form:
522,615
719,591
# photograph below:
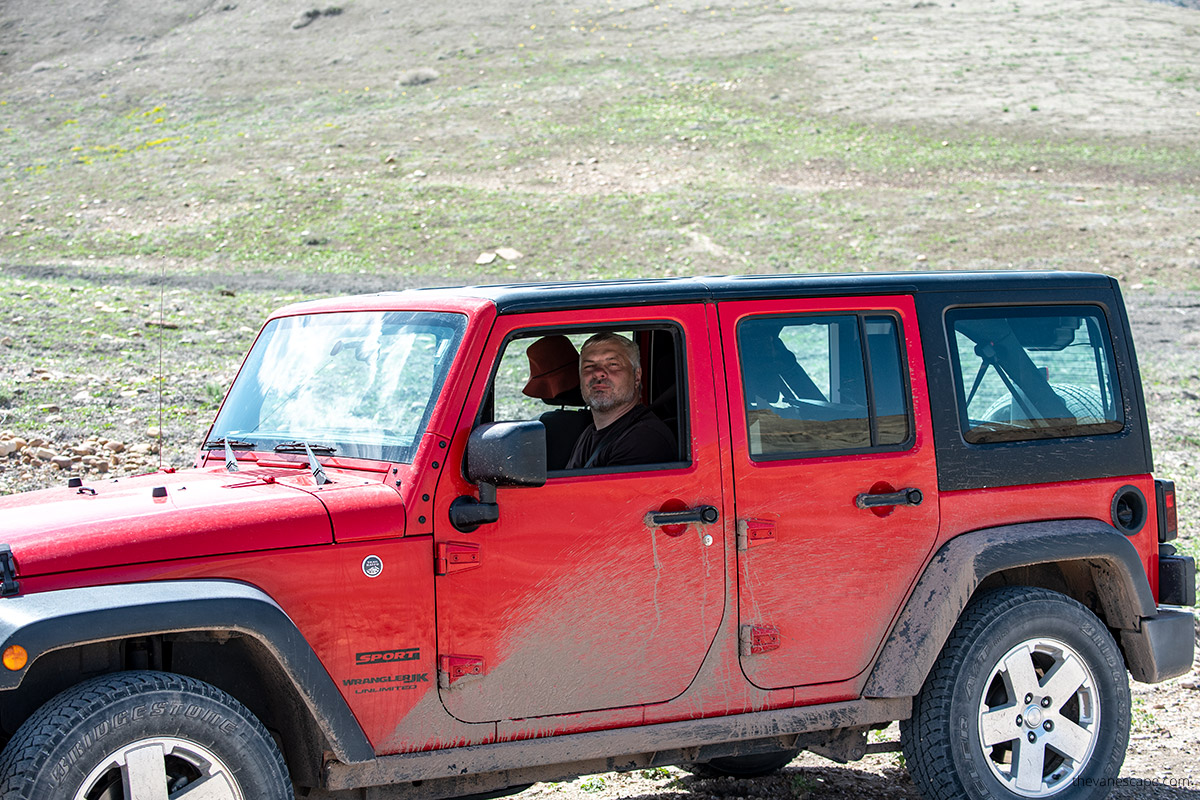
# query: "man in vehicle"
623,430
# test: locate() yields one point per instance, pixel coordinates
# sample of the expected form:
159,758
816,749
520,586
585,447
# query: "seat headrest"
553,371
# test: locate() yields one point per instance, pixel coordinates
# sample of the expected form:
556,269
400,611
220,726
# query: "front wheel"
143,736
1028,699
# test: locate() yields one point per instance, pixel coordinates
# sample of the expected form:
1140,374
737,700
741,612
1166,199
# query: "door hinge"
452,669
456,557
754,532
755,639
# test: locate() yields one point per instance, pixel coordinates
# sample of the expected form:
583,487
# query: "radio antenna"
162,321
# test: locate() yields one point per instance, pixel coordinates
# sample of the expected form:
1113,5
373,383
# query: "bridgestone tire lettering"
66,748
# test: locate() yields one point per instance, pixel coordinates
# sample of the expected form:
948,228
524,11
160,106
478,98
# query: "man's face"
607,379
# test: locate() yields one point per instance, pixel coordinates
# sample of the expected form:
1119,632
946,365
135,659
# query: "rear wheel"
1028,699
143,736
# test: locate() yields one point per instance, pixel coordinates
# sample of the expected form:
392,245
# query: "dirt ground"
1062,76
1070,66
542,98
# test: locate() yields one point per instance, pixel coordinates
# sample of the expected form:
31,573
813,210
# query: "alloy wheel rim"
160,768
1039,717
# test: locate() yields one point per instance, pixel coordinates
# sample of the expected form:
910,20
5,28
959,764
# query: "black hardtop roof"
524,297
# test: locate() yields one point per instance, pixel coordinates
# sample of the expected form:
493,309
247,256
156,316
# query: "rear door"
833,460
574,600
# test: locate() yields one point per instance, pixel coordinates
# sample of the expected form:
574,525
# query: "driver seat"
554,379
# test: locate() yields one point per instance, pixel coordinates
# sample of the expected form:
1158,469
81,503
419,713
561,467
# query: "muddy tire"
142,734
1028,699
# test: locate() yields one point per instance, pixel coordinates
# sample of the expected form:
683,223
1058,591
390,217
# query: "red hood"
159,517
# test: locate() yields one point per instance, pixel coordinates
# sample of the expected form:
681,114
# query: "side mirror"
499,454
508,454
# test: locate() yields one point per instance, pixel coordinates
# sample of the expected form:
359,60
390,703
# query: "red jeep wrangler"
924,498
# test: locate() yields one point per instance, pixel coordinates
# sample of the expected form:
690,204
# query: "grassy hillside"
207,161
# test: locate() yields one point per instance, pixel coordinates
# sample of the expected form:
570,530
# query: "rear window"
820,385
1034,373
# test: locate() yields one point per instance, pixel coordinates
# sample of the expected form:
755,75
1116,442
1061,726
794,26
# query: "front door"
833,461
574,600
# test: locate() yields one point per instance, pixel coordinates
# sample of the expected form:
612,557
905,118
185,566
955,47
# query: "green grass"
593,784
376,224
245,183
709,163
1142,717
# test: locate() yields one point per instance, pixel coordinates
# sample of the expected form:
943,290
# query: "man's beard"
607,402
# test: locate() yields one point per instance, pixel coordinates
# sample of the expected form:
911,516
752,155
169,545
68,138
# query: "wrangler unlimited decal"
386,683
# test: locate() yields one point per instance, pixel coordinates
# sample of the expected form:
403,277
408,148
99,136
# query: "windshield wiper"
231,464
304,447
314,466
236,444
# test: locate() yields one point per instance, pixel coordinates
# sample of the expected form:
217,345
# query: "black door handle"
904,497
703,515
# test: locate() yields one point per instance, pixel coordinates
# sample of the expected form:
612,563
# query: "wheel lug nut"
1020,720
1048,726
1032,737
1045,702
1028,698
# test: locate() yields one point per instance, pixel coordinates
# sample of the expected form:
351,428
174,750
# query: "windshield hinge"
8,572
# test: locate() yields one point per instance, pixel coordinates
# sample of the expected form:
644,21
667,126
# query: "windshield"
360,385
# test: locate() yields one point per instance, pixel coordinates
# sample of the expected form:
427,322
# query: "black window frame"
682,394
1018,436
861,315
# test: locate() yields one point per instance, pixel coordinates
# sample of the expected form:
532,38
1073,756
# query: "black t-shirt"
637,437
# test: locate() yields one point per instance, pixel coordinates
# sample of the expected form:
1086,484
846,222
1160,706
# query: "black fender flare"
47,621
961,564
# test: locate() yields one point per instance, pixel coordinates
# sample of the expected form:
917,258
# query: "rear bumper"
1163,647
1176,580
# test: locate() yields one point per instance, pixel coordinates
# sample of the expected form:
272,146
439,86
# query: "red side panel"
575,603
827,576
1008,505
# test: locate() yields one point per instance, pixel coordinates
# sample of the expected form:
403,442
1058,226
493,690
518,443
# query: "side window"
1034,373
537,377
553,385
815,385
